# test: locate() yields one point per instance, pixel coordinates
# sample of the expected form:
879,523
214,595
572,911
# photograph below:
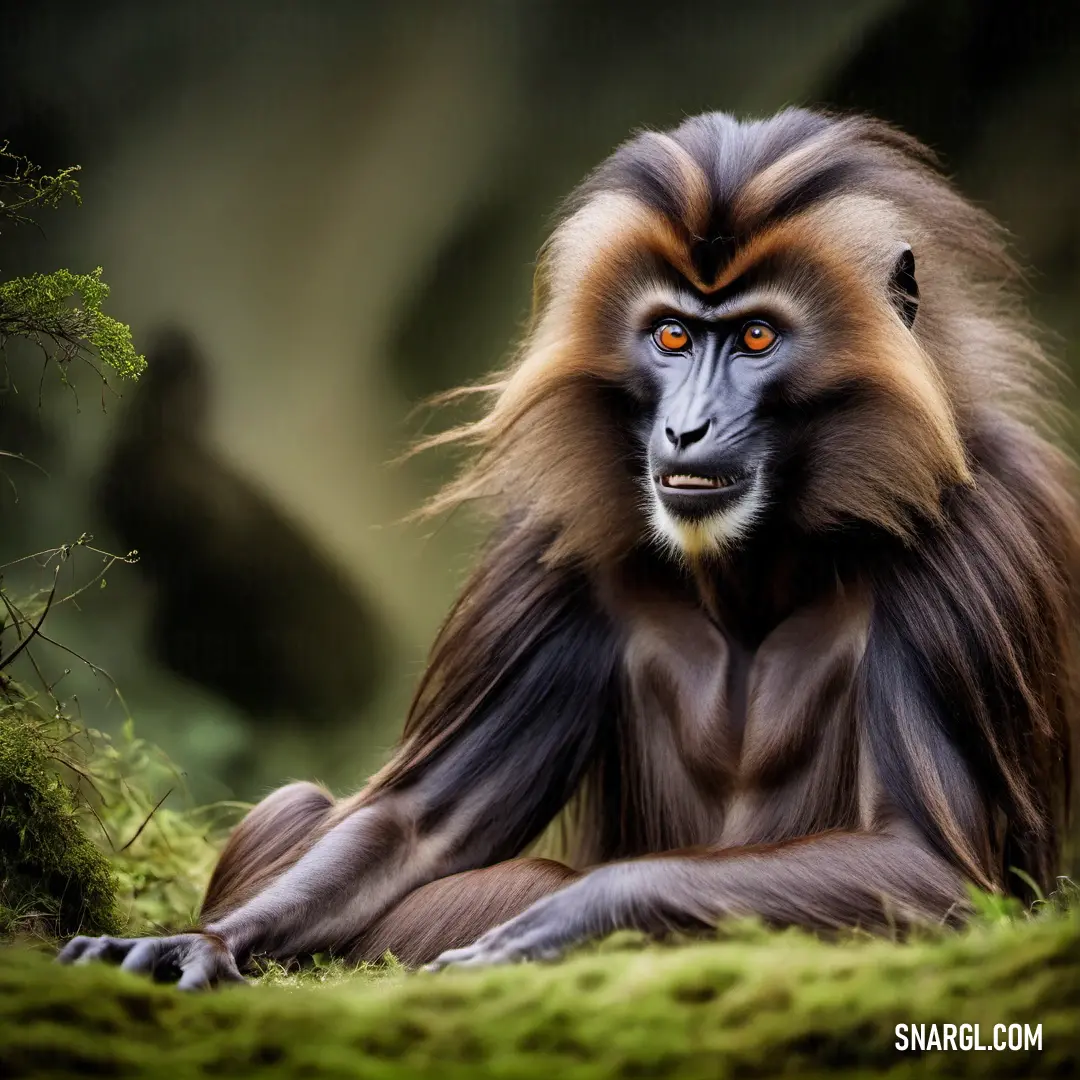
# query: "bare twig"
146,820
23,458
101,824
35,629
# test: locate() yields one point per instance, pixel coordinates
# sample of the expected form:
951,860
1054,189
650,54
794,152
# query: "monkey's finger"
451,956
92,947
209,969
494,957
477,955
224,970
196,976
73,949
203,976
499,947
109,949
489,959
144,957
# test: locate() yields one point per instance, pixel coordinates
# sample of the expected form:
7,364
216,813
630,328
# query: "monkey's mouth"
697,496
690,482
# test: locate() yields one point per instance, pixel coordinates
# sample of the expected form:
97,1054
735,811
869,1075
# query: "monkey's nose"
686,438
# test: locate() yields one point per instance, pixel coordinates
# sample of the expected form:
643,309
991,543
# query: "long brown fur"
550,455
843,718
974,372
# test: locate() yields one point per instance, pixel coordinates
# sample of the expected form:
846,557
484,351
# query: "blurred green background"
340,202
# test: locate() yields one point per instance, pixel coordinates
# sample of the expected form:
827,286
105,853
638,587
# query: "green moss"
756,1005
52,876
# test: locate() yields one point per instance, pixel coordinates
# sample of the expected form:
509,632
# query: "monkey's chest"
727,746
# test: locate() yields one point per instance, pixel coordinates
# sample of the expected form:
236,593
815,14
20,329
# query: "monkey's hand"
196,960
541,932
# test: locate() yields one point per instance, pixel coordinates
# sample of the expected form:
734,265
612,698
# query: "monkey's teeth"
695,483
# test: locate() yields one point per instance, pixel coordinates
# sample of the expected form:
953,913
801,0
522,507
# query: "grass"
757,1004
752,1003
87,842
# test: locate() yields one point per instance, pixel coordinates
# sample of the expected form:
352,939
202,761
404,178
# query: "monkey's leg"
454,911
269,840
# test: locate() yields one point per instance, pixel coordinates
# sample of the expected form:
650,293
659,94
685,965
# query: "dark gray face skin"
708,437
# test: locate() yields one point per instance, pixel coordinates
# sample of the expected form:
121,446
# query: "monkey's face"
789,392
796,388
708,447
749,291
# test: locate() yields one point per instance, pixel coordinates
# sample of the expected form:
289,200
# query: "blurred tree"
244,604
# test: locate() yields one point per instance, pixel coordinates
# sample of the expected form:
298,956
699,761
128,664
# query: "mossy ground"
754,1003
51,873
758,1004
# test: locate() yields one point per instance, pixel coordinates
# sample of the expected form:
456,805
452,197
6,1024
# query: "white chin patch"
710,535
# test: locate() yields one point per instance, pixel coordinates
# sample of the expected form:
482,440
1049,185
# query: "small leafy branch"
23,186
59,312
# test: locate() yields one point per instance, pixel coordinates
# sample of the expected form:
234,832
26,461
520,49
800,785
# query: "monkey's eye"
672,336
757,337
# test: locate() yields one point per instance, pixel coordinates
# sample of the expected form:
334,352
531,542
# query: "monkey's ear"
904,287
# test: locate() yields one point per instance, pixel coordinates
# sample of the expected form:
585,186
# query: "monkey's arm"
480,798
528,705
833,880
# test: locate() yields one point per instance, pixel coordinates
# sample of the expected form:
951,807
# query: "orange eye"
757,337
671,336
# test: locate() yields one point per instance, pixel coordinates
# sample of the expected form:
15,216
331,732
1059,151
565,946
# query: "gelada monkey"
778,609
